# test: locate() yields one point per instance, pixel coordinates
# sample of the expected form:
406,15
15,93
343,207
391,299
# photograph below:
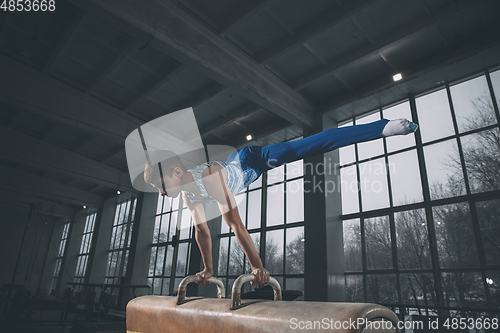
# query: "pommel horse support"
162,314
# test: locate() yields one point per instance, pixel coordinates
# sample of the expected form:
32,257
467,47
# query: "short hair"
169,161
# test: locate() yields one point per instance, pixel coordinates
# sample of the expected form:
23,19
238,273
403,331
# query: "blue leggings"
264,158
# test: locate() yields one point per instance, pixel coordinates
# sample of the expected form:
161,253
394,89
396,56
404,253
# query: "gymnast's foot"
400,126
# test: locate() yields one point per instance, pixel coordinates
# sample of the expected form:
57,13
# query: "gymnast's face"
171,186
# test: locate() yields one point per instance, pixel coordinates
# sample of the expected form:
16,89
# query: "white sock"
399,126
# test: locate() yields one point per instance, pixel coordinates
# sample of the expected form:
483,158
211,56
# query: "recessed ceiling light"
118,192
84,207
397,77
249,137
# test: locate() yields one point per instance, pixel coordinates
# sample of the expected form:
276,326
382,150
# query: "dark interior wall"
32,255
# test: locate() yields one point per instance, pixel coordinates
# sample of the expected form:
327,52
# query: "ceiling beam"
23,181
112,66
64,41
23,88
30,151
235,116
86,140
162,81
112,154
312,30
384,43
477,41
53,128
257,137
251,8
202,97
210,54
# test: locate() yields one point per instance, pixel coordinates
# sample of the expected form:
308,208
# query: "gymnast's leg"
285,152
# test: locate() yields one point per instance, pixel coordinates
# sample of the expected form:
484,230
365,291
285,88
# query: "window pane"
185,224
175,202
405,178
472,104
354,289
254,210
349,189
173,224
256,242
159,205
412,240
463,289
236,258
224,226
152,261
275,205
256,184
182,259
434,116
373,182
164,227
378,243
295,250
347,154
488,213
167,204
381,289
493,283
455,236
165,289
295,201
401,141
352,246
418,289
481,154
242,206
169,261
276,175
495,81
274,251
444,170
223,251
295,169
160,260
156,229
371,148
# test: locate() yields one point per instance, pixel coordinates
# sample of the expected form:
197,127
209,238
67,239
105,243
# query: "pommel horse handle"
236,292
181,293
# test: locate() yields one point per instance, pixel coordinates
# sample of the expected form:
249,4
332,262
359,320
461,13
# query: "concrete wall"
32,255
334,228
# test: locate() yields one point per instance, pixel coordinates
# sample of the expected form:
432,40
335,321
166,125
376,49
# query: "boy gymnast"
220,181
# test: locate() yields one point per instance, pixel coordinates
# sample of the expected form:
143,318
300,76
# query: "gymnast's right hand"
205,274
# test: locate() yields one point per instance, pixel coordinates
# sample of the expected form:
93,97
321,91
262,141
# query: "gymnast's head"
167,164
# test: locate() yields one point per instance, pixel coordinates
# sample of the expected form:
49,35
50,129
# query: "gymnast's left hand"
262,275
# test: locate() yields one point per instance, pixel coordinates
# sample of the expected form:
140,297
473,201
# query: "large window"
83,256
121,235
420,212
272,209
60,256
171,248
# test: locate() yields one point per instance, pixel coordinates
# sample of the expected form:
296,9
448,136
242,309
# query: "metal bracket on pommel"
181,292
238,283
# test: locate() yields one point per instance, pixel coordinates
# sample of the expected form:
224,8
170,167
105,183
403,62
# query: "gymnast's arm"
202,235
215,181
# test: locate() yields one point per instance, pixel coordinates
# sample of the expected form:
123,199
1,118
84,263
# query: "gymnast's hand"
205,274
262,275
